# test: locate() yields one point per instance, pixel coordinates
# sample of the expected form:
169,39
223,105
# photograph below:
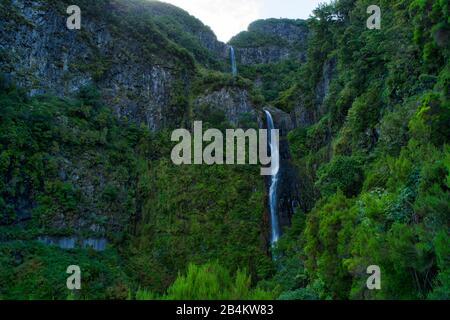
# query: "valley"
360,176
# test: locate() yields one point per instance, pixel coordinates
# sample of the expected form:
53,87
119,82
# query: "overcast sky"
229,17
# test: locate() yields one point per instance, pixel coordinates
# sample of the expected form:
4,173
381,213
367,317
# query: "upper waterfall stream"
233,61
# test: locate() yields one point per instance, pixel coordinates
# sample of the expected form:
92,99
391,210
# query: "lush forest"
185,215
374,164
377,160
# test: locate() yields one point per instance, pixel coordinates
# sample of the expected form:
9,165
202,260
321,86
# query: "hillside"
86,176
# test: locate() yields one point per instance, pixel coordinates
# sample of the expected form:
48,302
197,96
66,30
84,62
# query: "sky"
229,17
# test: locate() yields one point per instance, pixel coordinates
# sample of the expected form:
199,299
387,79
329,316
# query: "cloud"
226,17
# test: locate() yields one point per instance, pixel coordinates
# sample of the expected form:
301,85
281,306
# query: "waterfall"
233,61
273,204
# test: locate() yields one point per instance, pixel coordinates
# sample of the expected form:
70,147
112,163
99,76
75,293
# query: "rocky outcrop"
209,41
282,120
232,102
40,54
303,116
266,54
294,32
323,86
270,41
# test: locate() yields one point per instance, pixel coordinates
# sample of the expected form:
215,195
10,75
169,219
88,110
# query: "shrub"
344,173
210,282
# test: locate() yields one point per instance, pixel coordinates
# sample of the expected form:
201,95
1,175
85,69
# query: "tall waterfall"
233,61
273,204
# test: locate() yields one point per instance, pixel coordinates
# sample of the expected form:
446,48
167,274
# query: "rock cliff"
272,40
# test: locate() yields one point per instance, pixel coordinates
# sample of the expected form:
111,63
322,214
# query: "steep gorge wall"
139,80
234,103
270,41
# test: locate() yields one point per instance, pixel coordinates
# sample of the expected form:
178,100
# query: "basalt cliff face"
130,50
136,69
234,103
270,41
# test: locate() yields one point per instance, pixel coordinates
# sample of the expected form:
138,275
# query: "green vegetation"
376,161
83,166
33,271
373,158
263,33
210,282
274,79
188,216
48,147
186,31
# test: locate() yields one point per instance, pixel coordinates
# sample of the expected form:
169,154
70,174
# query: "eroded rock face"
303,116
322,88
264,55
282,120
233,102
271,41
40,54
292,31
209,40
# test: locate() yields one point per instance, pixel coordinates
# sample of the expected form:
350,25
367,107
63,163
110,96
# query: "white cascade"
233,61
273,191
